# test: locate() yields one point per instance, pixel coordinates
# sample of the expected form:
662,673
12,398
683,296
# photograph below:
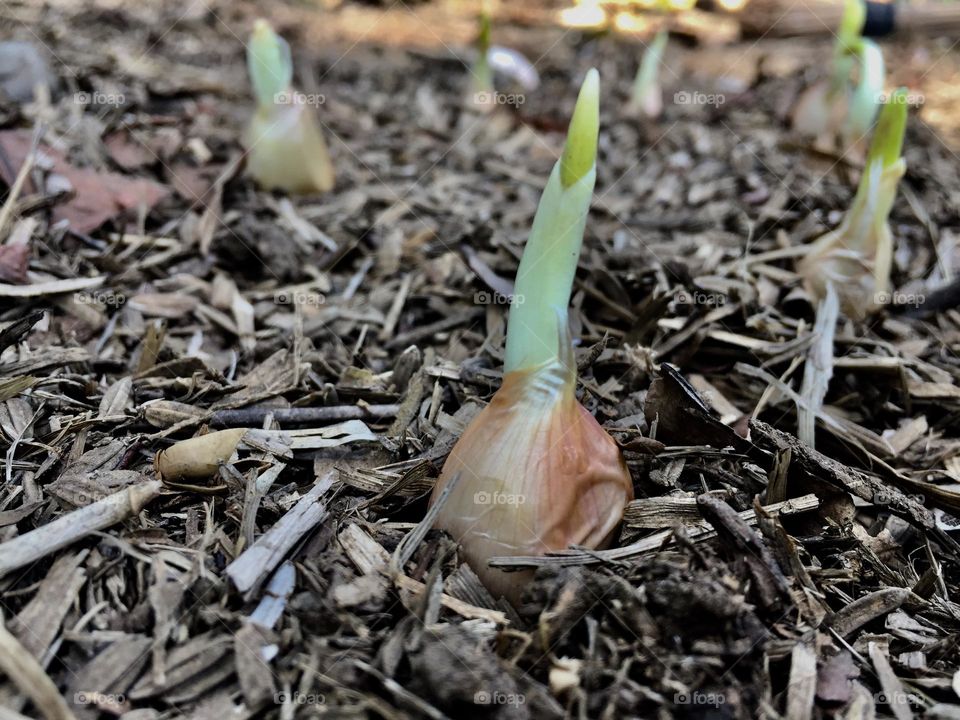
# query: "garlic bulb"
536,471
538,474
857,256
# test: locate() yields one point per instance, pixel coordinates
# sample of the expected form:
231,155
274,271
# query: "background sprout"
285,148
858,255
865,98
481,74
835,109
647,96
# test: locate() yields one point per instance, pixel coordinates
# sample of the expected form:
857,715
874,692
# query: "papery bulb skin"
820,113
860,279
537,474
650,104
857,256
286,150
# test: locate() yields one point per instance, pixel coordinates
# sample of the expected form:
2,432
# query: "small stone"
22,67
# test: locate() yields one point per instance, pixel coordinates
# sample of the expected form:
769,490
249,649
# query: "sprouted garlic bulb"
285,148
537,473
834,110
857,256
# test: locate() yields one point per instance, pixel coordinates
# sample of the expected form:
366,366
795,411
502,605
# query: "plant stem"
537,330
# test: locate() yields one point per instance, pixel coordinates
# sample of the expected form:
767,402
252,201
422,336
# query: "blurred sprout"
647,96
865,97
482,74
514,66
836,109
857,257
285,149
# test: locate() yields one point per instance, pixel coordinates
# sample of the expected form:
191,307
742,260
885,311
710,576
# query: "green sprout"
534,440
647,94
285,148
837,108
269,63
549,262
481,71
857,257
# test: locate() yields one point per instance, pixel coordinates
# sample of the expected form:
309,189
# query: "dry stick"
254,417
411,337
257,562
409,544
73,526
23,669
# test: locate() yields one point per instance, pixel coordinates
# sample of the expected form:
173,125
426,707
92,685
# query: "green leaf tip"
269,63
483,38
887,142
580,152
851,24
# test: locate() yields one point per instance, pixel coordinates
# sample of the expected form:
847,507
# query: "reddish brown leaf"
14,260
97,196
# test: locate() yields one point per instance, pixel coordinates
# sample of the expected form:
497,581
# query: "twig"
255,564
19,181
73,526
254,417
698,533
23,669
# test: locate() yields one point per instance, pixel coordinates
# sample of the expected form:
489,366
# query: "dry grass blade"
25,672
819,366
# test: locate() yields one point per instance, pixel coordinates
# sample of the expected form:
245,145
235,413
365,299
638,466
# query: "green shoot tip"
580,152
851,24
483,39
269,62
887,142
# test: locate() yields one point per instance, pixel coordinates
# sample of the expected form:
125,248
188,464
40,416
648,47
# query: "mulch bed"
356,334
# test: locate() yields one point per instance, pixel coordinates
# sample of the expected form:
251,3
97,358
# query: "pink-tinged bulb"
286,150
537,475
